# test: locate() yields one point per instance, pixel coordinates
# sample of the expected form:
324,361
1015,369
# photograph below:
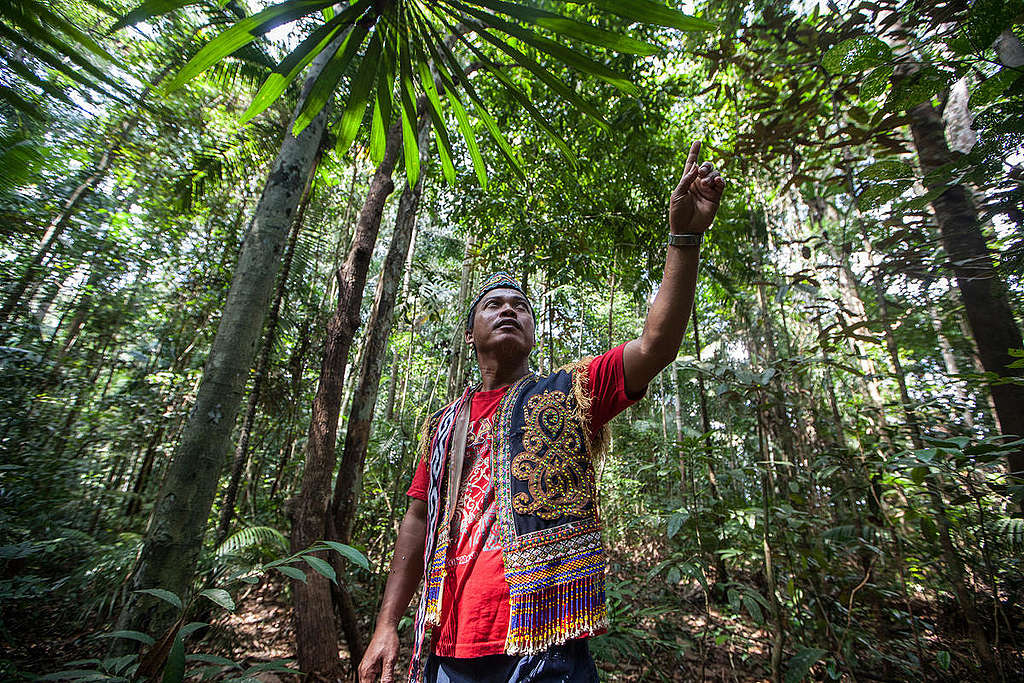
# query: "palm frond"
250,537
397,47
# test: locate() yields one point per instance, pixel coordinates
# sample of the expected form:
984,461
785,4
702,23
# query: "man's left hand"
695,200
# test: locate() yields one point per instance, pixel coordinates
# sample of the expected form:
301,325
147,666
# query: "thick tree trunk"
315,628
176,529
227,511
985,301
364,400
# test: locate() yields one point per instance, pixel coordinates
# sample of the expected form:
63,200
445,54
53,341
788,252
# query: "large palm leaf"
42,36
394,49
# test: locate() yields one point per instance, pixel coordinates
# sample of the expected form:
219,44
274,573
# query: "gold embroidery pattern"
553,463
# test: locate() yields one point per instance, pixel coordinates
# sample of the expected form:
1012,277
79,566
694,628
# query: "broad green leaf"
444,147
165,595
31,26
570,28
358,95
653,12
130,635
410,127
877,82
220,597
329,78
675,523
800,663
292,572
242,33
174,670
753,608
566,55
321,567
879,193
382,99
942,657
148,10
48,58
918,87
856,54
465,127
299,58
992,87
191,627
887,169
349,553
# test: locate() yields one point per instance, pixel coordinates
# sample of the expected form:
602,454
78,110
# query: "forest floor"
659,633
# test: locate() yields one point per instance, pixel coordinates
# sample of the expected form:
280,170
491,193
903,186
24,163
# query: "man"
511,556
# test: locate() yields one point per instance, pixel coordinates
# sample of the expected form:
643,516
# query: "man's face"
503,324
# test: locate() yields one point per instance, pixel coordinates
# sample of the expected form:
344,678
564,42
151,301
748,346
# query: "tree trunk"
315,628
459,352
364,400
227,511
174,538
985,301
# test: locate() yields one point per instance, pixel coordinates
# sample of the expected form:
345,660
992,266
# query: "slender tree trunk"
364,401
949,360
316,630
459,351
775,609
139,486
227,511
178,523
985,300
411,311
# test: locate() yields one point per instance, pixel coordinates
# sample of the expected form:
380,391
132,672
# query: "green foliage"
400,35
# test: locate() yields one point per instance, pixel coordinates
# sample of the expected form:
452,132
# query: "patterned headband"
498,280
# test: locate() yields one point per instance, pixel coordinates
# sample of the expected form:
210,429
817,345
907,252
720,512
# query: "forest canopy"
239,240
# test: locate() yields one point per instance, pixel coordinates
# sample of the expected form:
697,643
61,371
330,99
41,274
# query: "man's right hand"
379,659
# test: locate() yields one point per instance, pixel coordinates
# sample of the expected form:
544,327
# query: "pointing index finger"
691,160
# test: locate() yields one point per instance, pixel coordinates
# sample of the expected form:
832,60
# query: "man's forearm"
666,319
406,567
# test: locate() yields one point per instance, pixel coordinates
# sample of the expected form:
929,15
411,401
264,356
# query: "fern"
1010,532
250,537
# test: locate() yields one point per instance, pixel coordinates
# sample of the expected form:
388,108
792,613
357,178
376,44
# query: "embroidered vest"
542,463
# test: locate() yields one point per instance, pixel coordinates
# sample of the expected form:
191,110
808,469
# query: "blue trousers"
567,663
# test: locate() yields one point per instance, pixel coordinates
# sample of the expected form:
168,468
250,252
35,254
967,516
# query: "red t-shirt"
474,608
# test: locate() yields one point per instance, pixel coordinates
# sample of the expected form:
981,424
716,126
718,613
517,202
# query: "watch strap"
684,239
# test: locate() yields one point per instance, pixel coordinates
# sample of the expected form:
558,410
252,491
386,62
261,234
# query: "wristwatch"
684,239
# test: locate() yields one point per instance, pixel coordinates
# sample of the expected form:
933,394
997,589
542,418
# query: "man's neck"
495,374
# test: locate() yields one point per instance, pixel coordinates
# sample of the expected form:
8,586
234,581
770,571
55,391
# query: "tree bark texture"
174,538
985,301
357,434
456,370
227,511
315,628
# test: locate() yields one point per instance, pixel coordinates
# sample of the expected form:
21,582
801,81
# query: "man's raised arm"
693,206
